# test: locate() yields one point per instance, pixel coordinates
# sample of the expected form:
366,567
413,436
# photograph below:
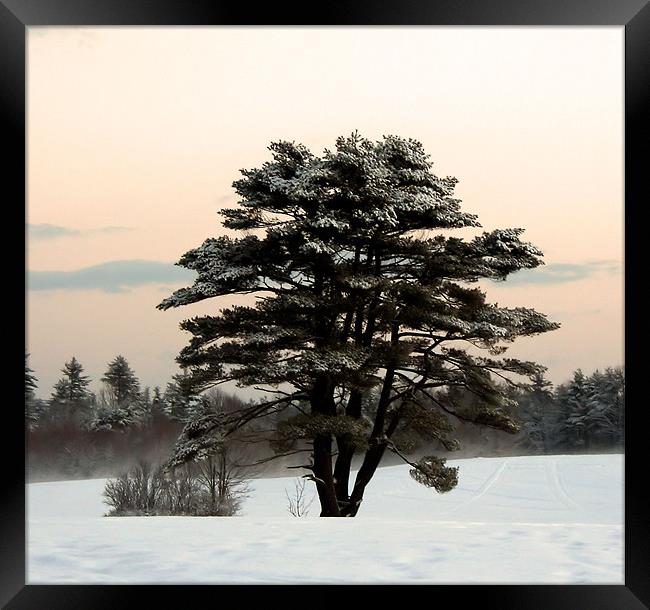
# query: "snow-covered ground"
542,519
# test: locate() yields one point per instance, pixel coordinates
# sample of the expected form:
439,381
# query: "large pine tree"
364,309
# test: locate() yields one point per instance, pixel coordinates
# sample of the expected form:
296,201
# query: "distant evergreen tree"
605,407
613,392
576,399
180,399
70,399
73,386
157,410
122,382
142,406
562,433
30,381
120,400
157,397
34,408
60,391
536,411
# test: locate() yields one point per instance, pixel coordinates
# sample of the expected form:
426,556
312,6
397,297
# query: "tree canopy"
364,318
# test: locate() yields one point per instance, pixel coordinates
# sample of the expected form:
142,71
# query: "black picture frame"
633,15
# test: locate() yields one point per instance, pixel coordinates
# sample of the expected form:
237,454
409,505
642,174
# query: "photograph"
278,275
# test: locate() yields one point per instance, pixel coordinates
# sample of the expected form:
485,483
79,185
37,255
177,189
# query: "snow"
534,519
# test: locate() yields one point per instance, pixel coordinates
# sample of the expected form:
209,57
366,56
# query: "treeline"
586,414
79,433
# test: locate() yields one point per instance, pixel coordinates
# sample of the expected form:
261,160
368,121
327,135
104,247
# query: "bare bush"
223,479
206,489
118,494
182,493
297,504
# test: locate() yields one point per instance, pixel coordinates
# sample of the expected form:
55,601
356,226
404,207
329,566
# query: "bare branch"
273,457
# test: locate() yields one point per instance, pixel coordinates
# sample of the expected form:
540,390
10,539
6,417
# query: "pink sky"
136,134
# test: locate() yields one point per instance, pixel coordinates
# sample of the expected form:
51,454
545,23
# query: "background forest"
76,433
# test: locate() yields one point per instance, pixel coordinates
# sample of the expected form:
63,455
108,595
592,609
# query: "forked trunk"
346,447
322,470
371,461
323,402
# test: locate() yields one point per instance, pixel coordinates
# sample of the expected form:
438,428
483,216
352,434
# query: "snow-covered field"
542,519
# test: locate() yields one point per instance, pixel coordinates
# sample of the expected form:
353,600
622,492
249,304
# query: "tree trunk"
322,402
378,439
346,448
322,470
366,472
370,464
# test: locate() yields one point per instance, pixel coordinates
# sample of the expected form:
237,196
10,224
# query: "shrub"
145,490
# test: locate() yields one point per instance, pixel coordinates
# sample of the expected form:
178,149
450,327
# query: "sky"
135,135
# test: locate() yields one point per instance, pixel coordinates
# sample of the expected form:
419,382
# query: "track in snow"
489,483
558,488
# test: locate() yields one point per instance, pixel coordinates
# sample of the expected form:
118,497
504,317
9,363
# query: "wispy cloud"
561,273
108,229
113,276
118,276
45,231
48,231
